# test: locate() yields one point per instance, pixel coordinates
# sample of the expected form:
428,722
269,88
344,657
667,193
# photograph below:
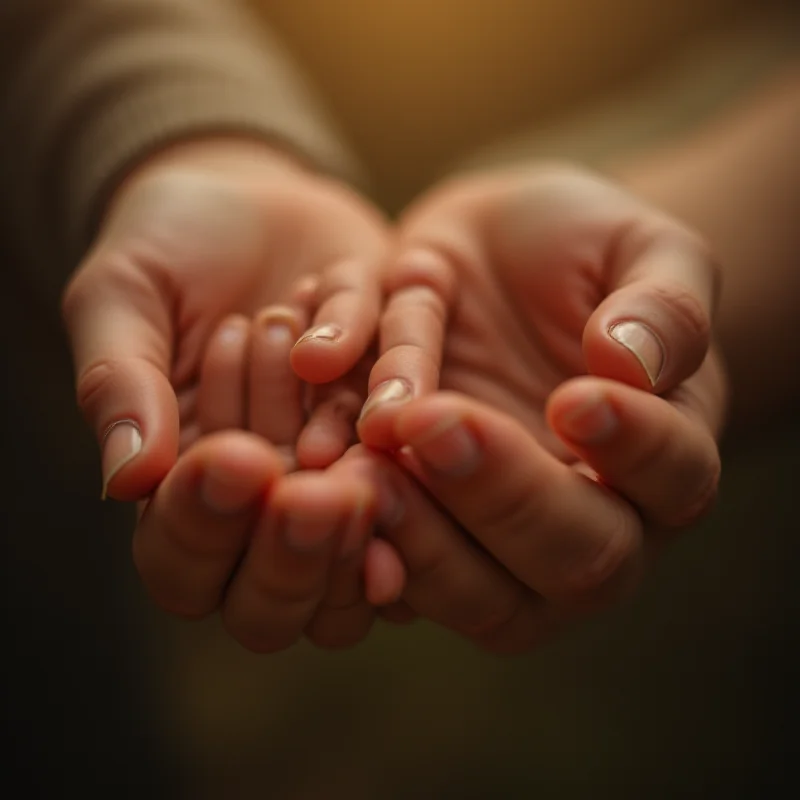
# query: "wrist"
248,161
238,153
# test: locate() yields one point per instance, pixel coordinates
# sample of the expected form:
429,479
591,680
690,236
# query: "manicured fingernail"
643,343
591,422
449,448
122,442
322,333
307,535
392,391
223,495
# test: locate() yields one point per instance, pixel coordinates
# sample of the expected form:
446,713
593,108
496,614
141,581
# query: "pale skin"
535,270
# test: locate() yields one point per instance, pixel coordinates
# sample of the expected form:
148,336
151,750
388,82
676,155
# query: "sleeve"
90,87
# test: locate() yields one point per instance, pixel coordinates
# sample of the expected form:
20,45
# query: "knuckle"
421,304
96,380
424,267
688,310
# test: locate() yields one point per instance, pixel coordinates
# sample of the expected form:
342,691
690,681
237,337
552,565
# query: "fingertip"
660,456
384,573
625,350
139,444
318,356
345,323
376,424
653,332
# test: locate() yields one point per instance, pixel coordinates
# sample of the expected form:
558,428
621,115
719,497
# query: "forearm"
737,181
92,87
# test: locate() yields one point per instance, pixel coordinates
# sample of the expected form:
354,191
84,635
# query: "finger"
420,288
558,532
347,611
330,429
384,575
333,409
349,298
653,330
194,530
275,392
449,579
344,616
285,573
662,459
222,397
120,328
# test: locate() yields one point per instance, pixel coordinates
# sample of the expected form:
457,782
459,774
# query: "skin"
556,448
537,488
522,421
204,232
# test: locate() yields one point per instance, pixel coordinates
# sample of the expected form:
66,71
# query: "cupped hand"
575,322
198,232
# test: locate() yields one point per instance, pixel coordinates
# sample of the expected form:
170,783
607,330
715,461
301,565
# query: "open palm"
199,233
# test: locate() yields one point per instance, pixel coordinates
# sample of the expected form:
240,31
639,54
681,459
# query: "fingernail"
233,333
322,333
392,391
307,535
222,495
591,422
279,325
643,343
449,448
278,334
122,442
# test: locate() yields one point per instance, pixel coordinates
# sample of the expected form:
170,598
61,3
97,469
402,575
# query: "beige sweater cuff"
92,87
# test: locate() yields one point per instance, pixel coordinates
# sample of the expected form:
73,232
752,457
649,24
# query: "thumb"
119,324
653,329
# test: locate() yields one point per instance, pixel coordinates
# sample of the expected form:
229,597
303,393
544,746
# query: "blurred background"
688,692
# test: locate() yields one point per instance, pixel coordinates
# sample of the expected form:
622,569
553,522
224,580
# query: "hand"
562,306
194,242
279,556
199,232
